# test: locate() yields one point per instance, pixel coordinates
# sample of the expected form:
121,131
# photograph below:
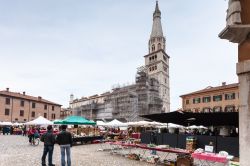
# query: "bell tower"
157,60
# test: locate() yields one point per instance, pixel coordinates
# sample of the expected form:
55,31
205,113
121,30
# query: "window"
217,109
217,98
7,111
206,110
230,108
16,119
33,114
45,107
53,116
22,103
229,96
45,115
24,120
53,108
21,112
196,100
33,105
155,67
159,46
153,47
7,101
206,99
187,101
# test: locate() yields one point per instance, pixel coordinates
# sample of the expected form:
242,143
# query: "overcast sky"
55,48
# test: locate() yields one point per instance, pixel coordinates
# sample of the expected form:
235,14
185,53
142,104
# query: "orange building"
19,107
224,98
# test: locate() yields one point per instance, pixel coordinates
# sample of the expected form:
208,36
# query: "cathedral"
149,94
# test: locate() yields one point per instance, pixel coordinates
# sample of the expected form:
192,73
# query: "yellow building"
20,107
224,98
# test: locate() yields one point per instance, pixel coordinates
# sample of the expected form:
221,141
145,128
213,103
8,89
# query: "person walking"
64,139
49,140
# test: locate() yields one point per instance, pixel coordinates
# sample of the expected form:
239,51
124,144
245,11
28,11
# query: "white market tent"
100,123
6,124
116,123
39,121
17,124
144,124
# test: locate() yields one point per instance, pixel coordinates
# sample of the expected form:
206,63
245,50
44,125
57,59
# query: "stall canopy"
6,124
75,120
100,123
39,121
116,123
189,118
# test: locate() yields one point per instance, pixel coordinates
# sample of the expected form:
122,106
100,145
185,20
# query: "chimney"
39,98
223,83
23,93
7,89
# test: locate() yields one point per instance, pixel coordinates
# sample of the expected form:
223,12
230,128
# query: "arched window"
153,48
159,46
230,108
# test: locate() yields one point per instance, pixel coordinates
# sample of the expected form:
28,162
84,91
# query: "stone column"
243,71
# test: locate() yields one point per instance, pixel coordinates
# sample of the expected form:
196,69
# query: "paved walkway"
16,151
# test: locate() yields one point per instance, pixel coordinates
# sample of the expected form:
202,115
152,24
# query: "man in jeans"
64,139
49,140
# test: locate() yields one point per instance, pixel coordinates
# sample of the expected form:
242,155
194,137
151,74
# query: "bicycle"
35,141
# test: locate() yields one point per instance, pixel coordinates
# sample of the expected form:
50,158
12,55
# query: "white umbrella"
39,121
116,123
193,127
202,127
17,124
100,123
6,124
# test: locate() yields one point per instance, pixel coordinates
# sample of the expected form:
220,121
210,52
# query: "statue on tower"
233,12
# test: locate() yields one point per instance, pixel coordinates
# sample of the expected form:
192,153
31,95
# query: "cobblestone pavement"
16,151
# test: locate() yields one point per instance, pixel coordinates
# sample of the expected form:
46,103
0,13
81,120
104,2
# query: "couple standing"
64,139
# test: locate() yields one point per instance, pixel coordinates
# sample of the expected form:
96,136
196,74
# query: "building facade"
20,107
149,94
65,112
224,98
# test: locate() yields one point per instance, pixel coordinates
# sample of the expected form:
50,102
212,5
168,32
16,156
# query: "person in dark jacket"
49,140
64,139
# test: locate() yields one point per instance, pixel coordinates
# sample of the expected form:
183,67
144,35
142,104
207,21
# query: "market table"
44,131
122,146
86,139
136,135
207,158
119,147
165,151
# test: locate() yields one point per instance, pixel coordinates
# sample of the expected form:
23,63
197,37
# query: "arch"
159,46
153,48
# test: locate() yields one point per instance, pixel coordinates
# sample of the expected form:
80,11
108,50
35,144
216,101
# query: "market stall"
82,130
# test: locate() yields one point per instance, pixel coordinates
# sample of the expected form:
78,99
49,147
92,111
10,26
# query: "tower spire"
157,28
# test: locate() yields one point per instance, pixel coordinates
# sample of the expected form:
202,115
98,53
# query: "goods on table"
151,145
152,159
191,143
169,163
133,156
232,163
186,160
